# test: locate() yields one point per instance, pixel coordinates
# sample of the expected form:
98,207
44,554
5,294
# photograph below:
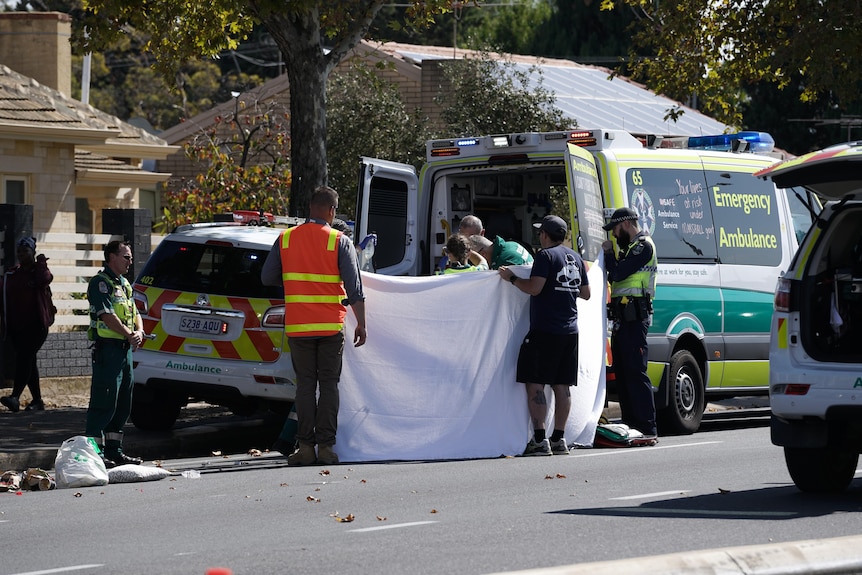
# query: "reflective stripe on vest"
313,290
642,282
124,308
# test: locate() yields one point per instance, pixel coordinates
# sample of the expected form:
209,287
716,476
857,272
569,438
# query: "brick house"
65,158
584,93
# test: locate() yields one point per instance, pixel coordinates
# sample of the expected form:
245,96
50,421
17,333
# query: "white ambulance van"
722,236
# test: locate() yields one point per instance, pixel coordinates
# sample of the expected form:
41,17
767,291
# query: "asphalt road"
254,515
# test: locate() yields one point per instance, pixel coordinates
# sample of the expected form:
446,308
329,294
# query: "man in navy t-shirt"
549,353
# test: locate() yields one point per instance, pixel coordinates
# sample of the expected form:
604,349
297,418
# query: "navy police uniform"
632,276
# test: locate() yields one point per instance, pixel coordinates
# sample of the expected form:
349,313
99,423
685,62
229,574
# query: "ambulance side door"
585,202
387,204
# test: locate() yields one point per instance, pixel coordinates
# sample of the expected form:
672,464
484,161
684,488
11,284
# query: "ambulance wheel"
686,396
821,470
155,411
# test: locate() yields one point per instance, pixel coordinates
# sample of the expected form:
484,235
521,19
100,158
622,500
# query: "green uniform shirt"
110,293
509,253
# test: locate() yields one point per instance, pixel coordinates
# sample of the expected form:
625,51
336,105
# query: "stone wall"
65,355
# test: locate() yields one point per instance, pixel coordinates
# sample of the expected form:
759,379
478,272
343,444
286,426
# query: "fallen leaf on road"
323,472
381,518
254,452
312,499
78,494
347,519
433,511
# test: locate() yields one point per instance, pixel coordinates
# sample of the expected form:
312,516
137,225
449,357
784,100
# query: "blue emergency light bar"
756,142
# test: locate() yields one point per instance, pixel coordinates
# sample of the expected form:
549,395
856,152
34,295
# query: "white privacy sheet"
436,378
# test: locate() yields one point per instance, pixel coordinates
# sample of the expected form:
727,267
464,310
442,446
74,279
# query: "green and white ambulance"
722,236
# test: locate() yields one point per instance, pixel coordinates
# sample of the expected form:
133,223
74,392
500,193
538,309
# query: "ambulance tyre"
155,411
686,396
821,470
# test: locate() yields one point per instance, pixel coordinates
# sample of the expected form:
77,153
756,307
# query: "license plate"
197,325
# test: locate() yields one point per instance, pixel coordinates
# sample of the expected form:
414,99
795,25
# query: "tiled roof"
26,103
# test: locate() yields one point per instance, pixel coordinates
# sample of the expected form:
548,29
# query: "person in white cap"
632,275
549,352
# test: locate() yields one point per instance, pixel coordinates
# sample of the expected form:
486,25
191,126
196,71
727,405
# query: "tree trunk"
298,38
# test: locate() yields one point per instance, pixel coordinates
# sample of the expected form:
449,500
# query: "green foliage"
515,29
715,50
243,163
123,83
366,116
488,96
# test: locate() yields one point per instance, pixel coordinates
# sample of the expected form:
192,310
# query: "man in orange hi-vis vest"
318,268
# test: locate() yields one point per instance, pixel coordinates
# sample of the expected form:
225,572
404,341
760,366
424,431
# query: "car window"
802,217
208,268
673,206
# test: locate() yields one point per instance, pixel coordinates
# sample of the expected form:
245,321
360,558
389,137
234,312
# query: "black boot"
120,458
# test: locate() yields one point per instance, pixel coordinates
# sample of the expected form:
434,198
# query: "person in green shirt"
499,252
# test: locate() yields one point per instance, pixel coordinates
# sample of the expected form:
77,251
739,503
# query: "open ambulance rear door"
585,202
387,204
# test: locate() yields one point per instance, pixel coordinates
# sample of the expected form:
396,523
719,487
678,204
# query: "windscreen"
207,268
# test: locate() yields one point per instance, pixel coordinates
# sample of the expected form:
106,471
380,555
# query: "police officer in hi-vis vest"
632,276
318,268
116,329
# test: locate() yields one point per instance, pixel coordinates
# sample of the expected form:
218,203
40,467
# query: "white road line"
648,495
618,450
60,570
392,526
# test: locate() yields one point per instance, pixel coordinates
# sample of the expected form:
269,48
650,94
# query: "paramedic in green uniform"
116,329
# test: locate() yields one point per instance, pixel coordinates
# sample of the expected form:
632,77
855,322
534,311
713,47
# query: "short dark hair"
323,196
113,247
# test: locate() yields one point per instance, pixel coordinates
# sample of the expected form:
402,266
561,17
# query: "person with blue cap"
632,275
549,352
27,315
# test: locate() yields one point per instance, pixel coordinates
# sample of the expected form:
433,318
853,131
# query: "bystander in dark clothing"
549,353
26,319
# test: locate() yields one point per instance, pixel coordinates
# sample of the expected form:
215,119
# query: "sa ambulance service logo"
642,203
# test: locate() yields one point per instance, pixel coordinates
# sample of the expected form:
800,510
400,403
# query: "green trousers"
110,390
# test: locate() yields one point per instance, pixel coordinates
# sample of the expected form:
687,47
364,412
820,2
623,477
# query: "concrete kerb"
811,557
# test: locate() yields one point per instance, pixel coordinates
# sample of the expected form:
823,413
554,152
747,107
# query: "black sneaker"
11,402
37,405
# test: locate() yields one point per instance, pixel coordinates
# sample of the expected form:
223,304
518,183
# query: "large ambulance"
722,236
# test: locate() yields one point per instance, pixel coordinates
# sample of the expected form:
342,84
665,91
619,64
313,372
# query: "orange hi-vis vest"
313,290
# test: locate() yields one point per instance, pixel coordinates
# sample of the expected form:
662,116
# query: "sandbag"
132,473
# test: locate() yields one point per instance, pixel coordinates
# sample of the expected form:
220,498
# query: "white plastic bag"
78,464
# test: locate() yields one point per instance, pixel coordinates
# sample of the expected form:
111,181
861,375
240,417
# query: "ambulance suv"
815,355
723,237
218,331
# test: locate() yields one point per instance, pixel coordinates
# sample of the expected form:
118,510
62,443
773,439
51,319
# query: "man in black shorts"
549,353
